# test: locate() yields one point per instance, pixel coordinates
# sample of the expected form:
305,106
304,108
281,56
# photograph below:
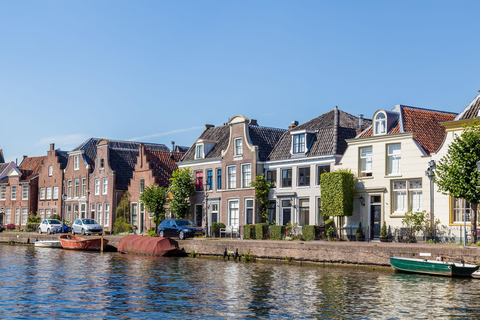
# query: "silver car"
86,226
49,226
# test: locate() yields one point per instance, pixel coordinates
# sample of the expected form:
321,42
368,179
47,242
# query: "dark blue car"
178,228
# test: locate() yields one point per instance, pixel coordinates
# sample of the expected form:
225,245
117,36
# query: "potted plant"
360,235
383,233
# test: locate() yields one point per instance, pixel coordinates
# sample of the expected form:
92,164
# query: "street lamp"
205,195
430,173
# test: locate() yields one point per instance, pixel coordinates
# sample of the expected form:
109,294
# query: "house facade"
19,191
300,157
224,161
390,159
152,166
51,183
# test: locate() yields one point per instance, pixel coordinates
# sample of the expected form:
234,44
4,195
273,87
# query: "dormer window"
380,123
299,143
238,147
199,153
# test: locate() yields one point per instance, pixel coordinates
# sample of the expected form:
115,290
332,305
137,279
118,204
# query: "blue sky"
158,71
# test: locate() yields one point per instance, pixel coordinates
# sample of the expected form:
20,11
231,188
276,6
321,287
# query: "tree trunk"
473,222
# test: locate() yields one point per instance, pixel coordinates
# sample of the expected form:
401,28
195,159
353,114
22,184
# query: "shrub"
337,193
121,225
216,226
383,231
329,223
55,216
277,232
261,230
360,231
309,233
249,232
33,222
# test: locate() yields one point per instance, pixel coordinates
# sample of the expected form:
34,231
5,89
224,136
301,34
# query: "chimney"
293,125
52,146
24,157
208,126
173,149
360,124
253,122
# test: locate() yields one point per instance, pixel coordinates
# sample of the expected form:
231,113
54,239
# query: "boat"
70,241
476,274
156,246
48,244
432,267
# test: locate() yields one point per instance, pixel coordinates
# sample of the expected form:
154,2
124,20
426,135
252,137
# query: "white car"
86,226
49,226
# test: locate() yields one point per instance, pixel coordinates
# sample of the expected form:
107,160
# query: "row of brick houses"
389,155
87,182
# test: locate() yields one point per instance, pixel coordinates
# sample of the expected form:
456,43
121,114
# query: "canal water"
59,284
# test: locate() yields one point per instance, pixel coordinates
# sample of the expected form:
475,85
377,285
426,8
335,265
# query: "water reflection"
42,282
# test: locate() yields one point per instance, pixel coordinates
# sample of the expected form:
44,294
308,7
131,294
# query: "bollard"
101,244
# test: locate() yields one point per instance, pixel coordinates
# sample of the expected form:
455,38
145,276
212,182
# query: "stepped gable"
265,138
424,122
471,110
218,134
31,167
162,164
331,130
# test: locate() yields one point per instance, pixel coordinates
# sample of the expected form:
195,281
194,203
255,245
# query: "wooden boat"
157,246
69,241
432,267
48,244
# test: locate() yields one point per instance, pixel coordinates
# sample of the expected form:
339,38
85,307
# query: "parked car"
178,228
86,226
50,226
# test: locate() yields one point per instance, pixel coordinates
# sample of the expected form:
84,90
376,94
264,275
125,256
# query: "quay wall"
329,252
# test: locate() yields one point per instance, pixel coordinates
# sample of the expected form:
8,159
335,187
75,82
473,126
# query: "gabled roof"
218,134
31,167
162,164
331,129
3,166
471,110
424,122
62,158
181,149
265,138
2,159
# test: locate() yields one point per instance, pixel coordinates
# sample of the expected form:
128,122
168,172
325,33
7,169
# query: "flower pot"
360,238
384,239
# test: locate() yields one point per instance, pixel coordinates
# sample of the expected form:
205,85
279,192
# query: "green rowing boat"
433,267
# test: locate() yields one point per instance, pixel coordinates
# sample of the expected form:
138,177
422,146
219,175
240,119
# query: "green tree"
155,199
456,173
123,208
182,187
262,188
337,192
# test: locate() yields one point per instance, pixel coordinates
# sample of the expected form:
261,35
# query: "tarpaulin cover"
157,246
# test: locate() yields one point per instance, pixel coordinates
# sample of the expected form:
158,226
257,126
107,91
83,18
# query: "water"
53,283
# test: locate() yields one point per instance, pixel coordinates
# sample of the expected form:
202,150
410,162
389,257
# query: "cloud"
64,140
165,133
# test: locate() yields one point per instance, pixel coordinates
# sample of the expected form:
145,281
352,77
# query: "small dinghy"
48,244
433,267
69,241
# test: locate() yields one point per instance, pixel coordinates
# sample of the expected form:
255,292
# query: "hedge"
249,231
277,232
337,188
261,230
309,233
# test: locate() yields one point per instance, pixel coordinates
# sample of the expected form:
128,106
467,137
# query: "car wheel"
73,231
39,231
161,234
83,231
181,235
48,231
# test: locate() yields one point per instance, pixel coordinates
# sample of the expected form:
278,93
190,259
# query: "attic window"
299,143
101,163
380,123
199,153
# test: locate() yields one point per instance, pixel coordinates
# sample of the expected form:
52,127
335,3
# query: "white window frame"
105,186
394,159
55,193
49,193
17,216
84,187
281,177
106,214
13,192
366,161
25,192
408,193
231,209
42,193
246,175
97,187
8,214
76,188
76,162
24,215
299,143
304,177
3,192
238,146
307,220
99,212
380,123
199,151
231,177
50,171
69,189
141,185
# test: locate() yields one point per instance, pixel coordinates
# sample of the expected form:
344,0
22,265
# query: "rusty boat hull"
72,242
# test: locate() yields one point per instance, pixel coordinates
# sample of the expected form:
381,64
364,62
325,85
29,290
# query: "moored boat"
476,274
69,241
432,267
157,246
48,244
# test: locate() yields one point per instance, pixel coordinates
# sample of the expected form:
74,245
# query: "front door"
198,214
249,210
286,212
375,220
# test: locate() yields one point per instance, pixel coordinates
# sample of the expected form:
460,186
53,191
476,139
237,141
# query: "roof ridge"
425,109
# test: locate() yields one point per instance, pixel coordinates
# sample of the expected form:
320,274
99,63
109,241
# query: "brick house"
152,166
51,184
19,191
224,161
110,175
